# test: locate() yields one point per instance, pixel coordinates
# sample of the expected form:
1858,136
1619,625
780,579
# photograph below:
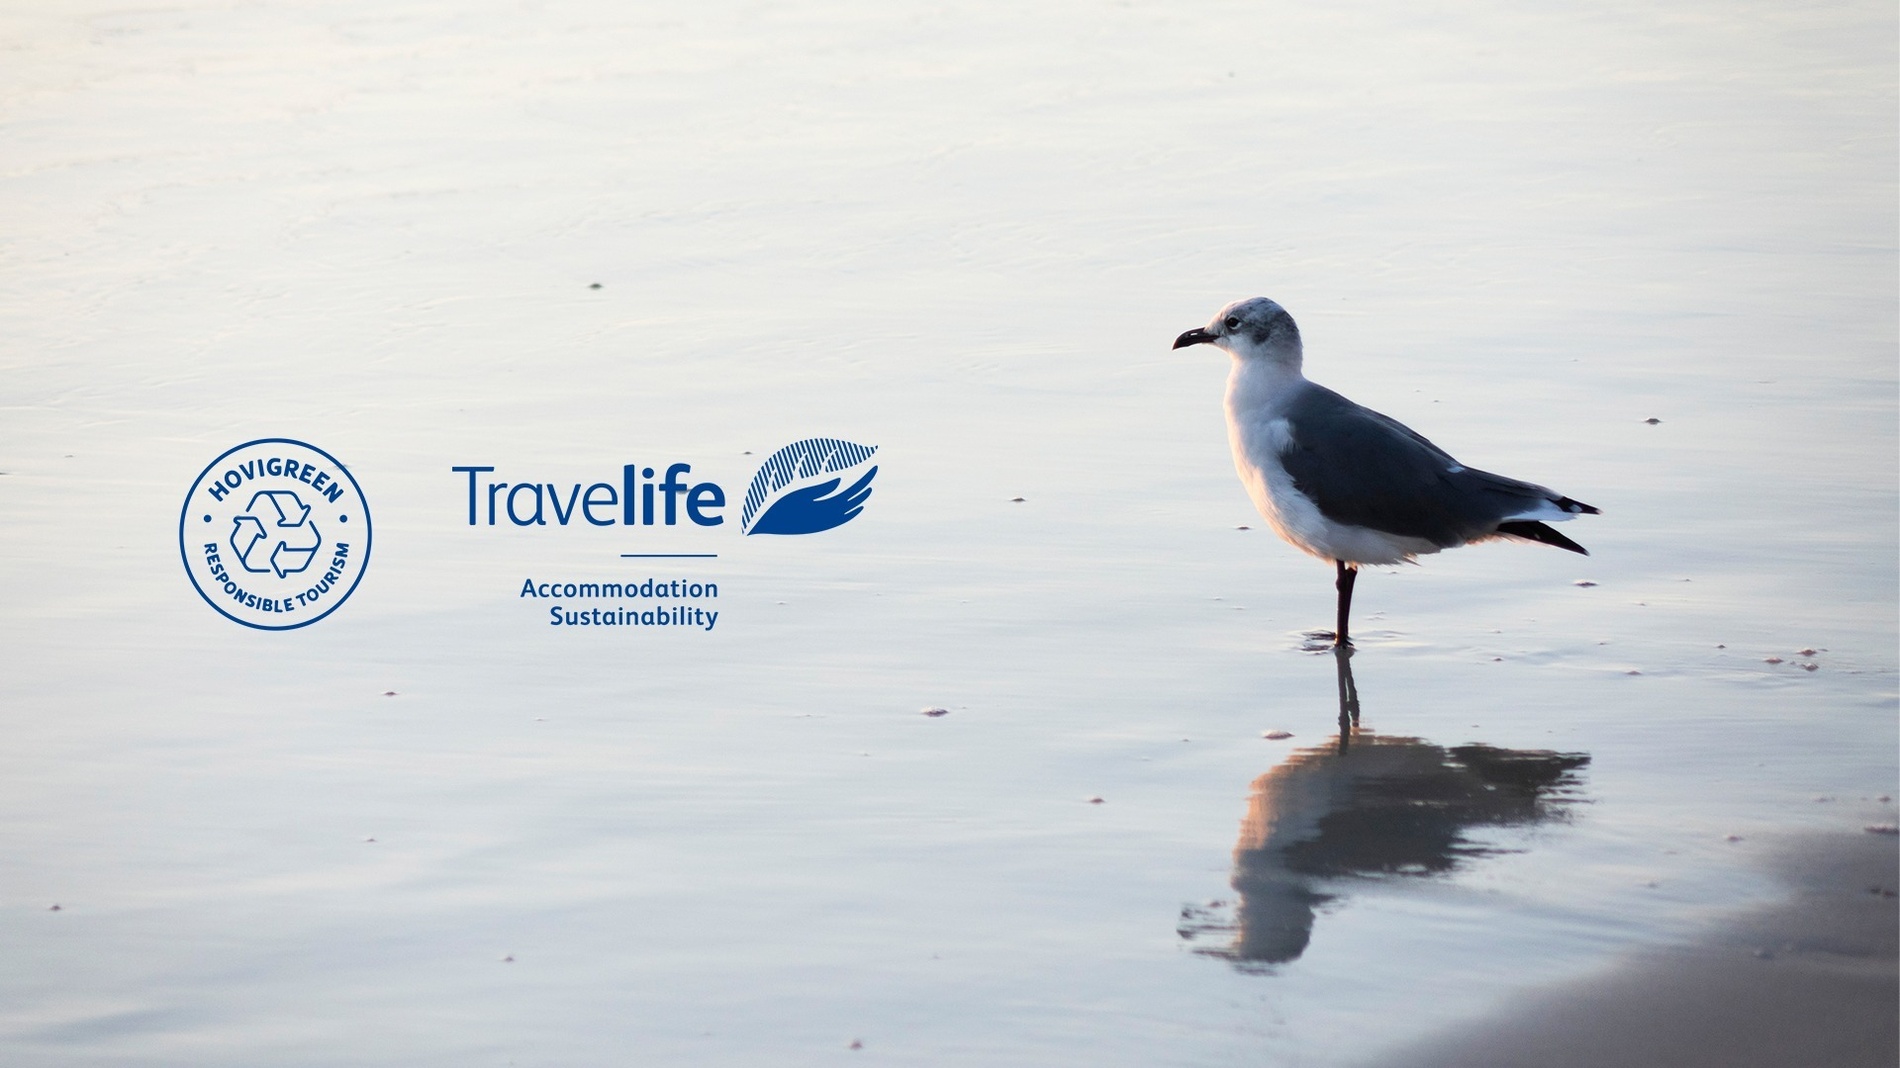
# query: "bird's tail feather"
1538,532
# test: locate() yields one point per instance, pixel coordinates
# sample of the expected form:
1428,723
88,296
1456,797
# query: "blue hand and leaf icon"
274,534
790,494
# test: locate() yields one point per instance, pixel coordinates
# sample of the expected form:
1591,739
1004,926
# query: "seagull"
1347,484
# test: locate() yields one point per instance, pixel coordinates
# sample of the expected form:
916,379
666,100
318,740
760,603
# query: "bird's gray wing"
1370,470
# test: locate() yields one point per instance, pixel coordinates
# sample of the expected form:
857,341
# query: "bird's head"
1255,328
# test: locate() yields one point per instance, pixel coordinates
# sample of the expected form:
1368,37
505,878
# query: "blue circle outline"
184,515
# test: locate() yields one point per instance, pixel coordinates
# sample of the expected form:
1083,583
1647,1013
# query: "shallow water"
965,235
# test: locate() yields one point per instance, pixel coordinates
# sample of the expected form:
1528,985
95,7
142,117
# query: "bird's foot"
1321,641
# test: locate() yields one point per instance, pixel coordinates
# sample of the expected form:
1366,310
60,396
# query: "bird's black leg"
1347,575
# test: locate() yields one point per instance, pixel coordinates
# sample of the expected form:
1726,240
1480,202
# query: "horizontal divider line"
669,556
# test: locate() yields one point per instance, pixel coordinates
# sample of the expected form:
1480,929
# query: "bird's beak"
1196,336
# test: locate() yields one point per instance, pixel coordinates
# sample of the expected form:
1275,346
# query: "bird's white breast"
1260,434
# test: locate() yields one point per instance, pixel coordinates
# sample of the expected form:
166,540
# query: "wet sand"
1808,983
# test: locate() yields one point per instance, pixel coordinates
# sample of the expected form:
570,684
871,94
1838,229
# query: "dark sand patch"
1813,982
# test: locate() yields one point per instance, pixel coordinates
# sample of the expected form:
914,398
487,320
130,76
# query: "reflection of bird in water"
1367,805
1345,483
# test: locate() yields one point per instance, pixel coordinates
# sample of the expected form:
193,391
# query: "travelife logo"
796,491
275,534
807,487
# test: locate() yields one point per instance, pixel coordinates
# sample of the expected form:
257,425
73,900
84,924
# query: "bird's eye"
1233,321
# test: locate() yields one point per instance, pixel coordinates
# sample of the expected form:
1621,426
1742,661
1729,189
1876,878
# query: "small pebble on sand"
507,958
1652,421
1872,828
856,1044
1095,800
1015,500
55,908
935,711
389,693
1771,660
1276,734
1583,582
1805,652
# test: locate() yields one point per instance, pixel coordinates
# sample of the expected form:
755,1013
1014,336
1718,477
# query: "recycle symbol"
274,534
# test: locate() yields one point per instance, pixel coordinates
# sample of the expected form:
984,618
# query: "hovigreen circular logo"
275,534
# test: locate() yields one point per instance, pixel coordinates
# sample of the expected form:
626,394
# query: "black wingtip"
1577,507
1530,530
